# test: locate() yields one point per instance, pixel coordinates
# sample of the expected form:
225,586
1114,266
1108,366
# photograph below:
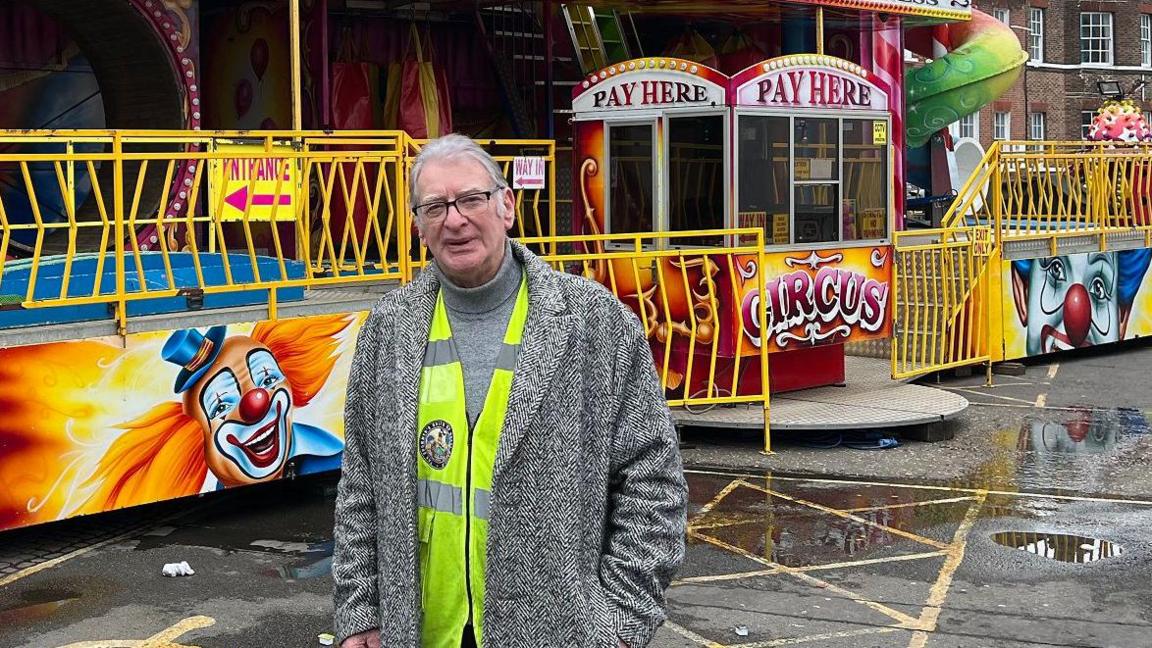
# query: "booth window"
696,185
866,181
630,206
813,179
762,168
817,175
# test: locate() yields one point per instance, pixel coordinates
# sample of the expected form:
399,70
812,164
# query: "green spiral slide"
984,62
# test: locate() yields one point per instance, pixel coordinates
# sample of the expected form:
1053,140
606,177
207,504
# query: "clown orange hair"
305,349
161,454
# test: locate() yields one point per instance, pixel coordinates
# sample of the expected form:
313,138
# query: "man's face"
1072,302
467,247
244,405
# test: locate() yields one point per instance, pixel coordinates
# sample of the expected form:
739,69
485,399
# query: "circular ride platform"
869,399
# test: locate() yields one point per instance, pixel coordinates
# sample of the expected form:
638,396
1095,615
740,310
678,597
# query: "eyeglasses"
468,205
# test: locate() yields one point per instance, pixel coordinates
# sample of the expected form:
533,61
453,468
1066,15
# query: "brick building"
1072,44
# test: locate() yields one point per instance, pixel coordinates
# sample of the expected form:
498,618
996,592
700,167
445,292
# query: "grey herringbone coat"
587,525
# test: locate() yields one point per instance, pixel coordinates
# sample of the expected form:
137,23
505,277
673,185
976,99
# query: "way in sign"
261,168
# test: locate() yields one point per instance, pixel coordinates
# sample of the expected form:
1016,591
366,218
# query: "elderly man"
511,475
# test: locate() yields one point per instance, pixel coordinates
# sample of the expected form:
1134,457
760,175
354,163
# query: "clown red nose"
1077,314
255,405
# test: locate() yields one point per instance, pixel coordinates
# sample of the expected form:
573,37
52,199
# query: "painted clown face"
244,405
1069,301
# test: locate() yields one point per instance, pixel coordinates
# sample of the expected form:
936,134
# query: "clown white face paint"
1072,302
244,404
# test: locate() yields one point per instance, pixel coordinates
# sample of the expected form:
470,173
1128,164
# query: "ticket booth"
812,154
659,128
797,145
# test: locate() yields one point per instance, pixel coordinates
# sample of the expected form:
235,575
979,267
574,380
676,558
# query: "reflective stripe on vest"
454,474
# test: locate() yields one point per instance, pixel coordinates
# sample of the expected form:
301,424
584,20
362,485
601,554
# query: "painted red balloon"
243,98
1077,314
258,57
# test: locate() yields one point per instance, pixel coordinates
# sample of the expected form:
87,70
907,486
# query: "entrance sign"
234,183
528,173
656,83
808,81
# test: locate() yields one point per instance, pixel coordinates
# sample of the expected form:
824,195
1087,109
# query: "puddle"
1085,432
37,604
1065,548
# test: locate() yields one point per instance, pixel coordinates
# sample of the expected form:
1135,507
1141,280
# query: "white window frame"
997,126
1037,125
1003,14
1036,34
1097,38
1146,40
1086,118
969,123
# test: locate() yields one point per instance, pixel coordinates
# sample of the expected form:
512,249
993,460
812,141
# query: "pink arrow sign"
239,199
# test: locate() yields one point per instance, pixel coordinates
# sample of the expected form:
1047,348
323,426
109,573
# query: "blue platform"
82,279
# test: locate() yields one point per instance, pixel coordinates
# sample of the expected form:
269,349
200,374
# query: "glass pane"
696,177
817,143
866,181
630,183
763,171
817,219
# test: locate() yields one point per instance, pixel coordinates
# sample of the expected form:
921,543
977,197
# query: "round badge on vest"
436,441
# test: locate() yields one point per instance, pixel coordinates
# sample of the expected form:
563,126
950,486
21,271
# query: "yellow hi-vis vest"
455,479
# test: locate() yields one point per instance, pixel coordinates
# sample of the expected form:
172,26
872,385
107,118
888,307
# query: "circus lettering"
819,304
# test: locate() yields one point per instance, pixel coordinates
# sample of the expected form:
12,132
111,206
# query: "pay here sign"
267,187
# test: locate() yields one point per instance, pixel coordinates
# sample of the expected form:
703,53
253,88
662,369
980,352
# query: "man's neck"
488,295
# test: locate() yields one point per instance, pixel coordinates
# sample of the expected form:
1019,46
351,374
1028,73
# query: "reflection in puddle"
1086,432
1065,548
314,568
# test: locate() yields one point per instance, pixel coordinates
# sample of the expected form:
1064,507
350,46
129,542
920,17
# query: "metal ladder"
600,37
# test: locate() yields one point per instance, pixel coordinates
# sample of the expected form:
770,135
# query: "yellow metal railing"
118,216
676,294
941,298
283,212
1050,190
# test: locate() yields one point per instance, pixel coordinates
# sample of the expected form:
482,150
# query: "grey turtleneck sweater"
479,317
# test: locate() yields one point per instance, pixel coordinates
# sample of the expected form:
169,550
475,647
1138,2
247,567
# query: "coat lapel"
546,333
414,322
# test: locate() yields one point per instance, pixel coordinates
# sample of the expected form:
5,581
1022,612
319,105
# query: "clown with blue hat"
235,388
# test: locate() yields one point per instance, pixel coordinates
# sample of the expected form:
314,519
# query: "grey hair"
447,147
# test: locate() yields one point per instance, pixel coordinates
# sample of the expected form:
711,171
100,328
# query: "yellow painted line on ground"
49,564
949,489
691,636
795,641
1041,400
1052,369
886,507
904,620
855,518
166,638
939,592
54,562
707,508
693,580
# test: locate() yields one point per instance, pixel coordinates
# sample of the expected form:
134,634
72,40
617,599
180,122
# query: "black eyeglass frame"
449,204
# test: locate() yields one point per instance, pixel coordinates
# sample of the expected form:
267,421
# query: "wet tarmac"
1030,528
772,561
